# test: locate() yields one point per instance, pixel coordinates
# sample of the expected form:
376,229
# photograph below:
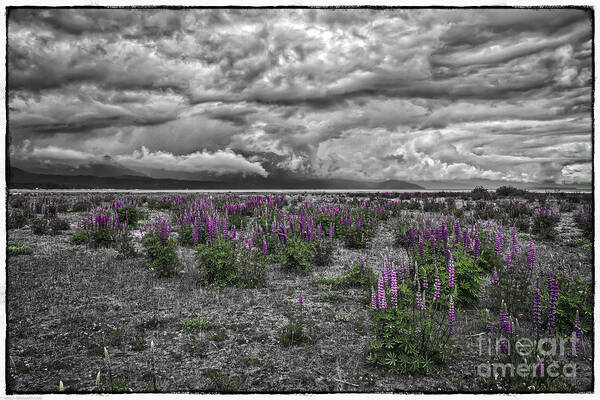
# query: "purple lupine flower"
495,276
381,294
508,260
537,311
301,300
576,338
436,285
421,247
264,247
451,272
420,303
499,243
531,254
373,300
540,368
448,255
552,302
394,287
331,230
362,264
515,243
451,315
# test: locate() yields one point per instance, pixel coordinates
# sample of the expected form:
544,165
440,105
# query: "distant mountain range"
107,177
21,179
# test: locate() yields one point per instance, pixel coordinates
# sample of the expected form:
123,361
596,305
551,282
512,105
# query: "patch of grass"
220,382
198,349
292,335
196,324
333,297
138,343
252,362
120,385
220,337
18,249
328,282
79,237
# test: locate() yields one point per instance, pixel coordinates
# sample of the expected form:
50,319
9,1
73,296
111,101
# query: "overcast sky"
362,94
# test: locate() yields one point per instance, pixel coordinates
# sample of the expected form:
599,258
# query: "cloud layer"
411,94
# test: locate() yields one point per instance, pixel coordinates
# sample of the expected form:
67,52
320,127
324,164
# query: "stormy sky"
370,94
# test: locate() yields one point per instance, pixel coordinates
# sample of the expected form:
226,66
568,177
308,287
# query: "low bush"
162,254
17,249
58,224
39,226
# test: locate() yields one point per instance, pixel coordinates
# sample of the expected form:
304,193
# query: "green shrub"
506,191
103,237
81,205
408,340
574,294
328,282
39,226
130,214
467,275
298,255
163,256
17,249
323,253
356,278
79,237
197,324
292,335
16,219
222,264
58,224
544,226
217,262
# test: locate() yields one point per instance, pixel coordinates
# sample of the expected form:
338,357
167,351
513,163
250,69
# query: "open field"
299,292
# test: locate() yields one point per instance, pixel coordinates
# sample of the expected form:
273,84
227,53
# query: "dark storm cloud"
378,94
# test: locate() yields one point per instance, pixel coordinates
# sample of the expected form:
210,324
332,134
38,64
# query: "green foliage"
217,262
58,224
130,214
479,192
39,226
328,282
323,253
16,219
356,278
408,340
298,255
163,256
489,260
81,205
103,237
574,294
17,249
467,274
197,323
222,264
220,383
292,335
79,237
506,191
544,226
357,239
